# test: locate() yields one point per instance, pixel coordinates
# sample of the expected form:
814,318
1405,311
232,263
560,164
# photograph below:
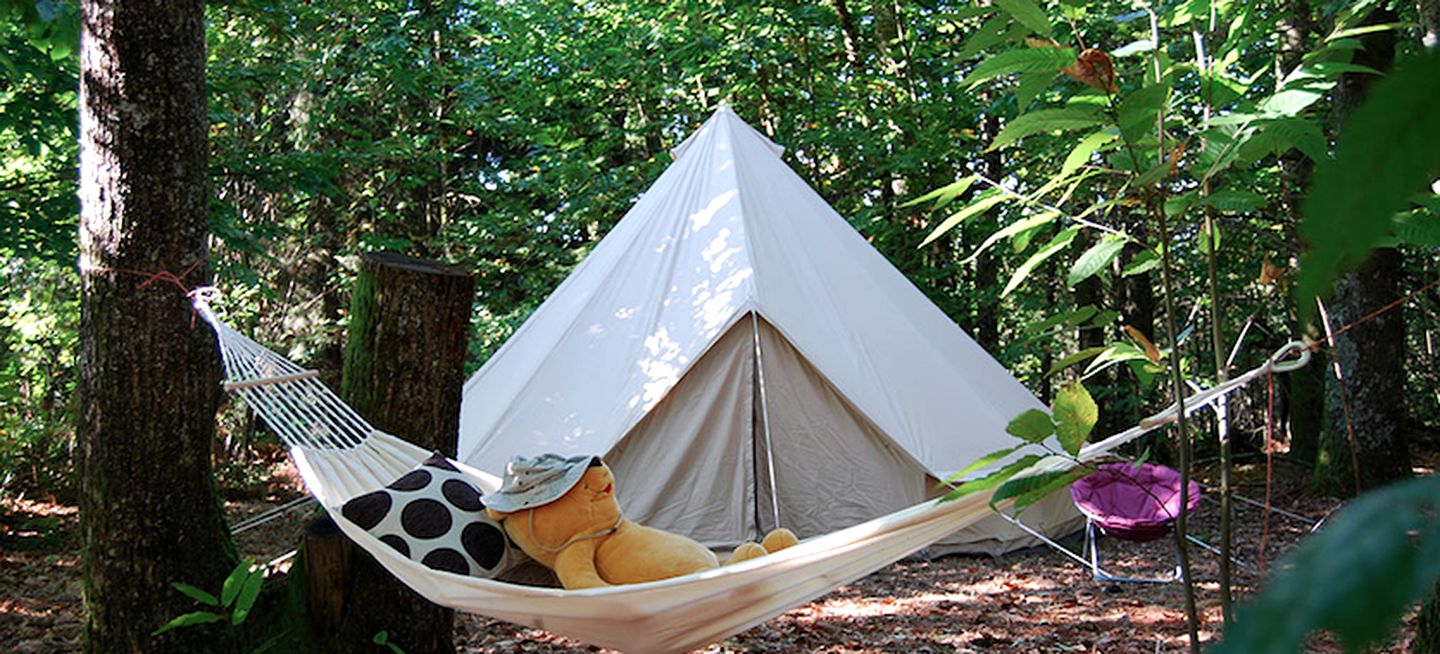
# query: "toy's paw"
778,540
746,552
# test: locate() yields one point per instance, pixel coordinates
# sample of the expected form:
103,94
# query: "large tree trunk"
149,378
404,372
1371,398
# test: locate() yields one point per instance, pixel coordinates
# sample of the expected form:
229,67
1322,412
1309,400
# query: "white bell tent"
744,359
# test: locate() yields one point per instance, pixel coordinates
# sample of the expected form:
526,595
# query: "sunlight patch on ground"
849,608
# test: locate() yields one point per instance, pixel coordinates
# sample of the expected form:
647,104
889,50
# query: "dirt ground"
1035,601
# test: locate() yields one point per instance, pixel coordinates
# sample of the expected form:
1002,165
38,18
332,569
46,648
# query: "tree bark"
850,34
1427,626
1372,355
404,372
1305,417
149,379
986,329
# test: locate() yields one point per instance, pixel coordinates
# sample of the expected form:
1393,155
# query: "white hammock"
340,456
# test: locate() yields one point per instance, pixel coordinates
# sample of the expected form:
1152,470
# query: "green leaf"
1028,14
1301,134
1096,258
1144,262
1075,415
1116,353
1366,29
983,463
1155,174
1140,110
1060,242
1045,120
1203,239
196,594
1033,488
983,202
1031,426
945,194
248,595
1077,357
1104,318
1295,97
1030,87
1086,148
995,30
1177,205
1069,318
1355,578
1020,60
1012,229
1418,228
188,620
1234,200
1389,143
993,479
234,583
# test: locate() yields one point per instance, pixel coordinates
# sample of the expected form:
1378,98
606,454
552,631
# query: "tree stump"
404,372
327,555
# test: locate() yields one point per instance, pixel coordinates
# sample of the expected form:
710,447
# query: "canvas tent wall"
740,354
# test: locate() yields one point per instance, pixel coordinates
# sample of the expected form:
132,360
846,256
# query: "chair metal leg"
1093,544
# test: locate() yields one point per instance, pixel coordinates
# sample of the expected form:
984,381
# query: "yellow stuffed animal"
564,514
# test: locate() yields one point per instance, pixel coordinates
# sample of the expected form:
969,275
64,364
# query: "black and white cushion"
433,515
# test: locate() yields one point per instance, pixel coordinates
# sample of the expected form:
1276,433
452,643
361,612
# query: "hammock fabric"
340,456
1136,503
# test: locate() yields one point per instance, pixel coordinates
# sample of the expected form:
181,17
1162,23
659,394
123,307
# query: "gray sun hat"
535,481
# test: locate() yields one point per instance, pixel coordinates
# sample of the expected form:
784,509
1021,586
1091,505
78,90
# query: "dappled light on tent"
701,219
749,360
662,367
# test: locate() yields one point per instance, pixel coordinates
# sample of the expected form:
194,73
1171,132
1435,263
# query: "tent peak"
724,124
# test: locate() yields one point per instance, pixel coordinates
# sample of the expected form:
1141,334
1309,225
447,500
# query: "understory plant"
1142,140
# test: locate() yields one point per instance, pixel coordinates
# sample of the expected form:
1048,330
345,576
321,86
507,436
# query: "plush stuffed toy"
563,513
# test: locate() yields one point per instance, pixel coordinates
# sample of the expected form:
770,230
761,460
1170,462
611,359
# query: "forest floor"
1033,601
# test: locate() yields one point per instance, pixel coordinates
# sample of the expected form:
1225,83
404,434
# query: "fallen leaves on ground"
1037,601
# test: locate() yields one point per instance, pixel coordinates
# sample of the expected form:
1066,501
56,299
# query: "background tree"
149,381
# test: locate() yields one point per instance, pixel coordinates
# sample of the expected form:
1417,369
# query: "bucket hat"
536,481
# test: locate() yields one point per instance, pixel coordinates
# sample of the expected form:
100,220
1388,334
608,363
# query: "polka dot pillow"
433,515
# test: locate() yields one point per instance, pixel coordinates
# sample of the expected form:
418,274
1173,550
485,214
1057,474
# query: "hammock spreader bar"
340,455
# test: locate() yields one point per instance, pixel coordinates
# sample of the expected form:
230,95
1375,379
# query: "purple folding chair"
1131,502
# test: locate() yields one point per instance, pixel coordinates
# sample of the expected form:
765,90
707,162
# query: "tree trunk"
986,329
1372,355
1305,417
149,379
1427,626
404,372
851,36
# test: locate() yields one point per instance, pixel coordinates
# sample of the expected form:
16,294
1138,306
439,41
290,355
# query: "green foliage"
1070,420
383,638
1097,257
1355,578
1031,426
1390,143
1025,60
39,316
1046,120
1027,490
1075,415
237,598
